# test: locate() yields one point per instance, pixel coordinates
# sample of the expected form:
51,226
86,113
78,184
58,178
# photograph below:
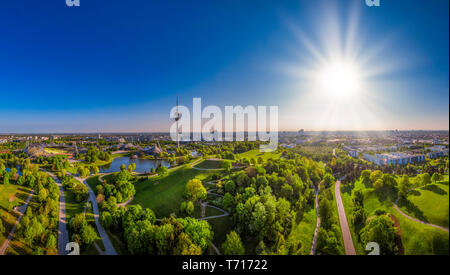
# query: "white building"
394,158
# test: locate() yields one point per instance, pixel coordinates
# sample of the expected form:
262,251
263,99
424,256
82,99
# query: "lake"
142,165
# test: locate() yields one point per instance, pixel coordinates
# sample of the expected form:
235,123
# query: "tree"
2,228
162,170
228,201
380,229
365,177
226,165
328,180
131,167
88,234
435,178
51,241
325,211
77,222
233,245
426,179
199,231
403,186
186,247
376,175
106,219
189,208
195,190
287,191
378,184
95,170
230,186
358,197
6,179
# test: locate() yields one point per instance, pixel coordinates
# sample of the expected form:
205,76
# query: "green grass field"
10,196
256,154
221,227
164,194
72,207
210,164
429,203
17,245
93,182
416,238
304,231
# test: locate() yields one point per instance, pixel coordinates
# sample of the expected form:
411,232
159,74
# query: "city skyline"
121,68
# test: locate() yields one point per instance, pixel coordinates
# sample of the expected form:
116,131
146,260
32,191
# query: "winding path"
347,237
316,231
204,205
414,219
21,211
109,248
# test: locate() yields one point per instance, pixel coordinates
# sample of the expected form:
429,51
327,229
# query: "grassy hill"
164,194
429,203
416,238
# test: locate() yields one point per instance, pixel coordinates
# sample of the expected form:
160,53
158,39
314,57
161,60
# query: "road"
63,234
21,211
348,242
316,231
101,231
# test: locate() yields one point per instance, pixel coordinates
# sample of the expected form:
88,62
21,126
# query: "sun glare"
338,80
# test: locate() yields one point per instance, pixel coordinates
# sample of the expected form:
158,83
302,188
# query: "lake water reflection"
142,165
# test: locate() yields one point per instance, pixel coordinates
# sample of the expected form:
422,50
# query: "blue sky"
119,65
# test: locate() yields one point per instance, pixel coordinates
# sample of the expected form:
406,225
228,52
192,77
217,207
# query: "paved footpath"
348,242
63,234
101,231
21,211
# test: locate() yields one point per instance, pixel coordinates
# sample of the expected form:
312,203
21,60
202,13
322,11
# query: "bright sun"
339,80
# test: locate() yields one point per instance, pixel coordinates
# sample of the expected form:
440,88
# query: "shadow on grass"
440,245
435,189
444,182
411,208
414,193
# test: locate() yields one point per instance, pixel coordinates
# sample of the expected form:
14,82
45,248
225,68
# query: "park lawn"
72,206
93,182
429,203
18,195
164,194
118,242
304,231
210,164
212,212
17,245
416,238
221,227
255,153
